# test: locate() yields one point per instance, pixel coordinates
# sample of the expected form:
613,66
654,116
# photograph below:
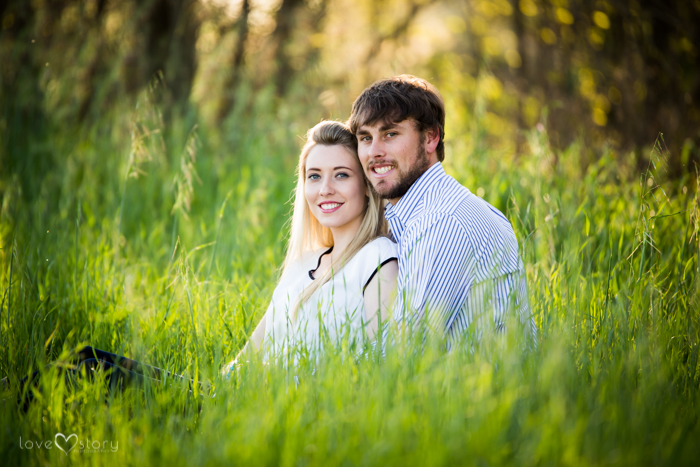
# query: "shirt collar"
413,202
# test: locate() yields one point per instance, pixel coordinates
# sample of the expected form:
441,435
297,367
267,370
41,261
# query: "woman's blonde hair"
307,233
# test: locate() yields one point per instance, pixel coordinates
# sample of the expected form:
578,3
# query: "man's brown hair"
395,99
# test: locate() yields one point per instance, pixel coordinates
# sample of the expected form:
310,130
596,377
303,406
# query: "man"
458,255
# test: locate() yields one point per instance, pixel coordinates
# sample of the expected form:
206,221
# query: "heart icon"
65,449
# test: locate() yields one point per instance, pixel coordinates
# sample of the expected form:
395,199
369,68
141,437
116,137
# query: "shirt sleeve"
435,274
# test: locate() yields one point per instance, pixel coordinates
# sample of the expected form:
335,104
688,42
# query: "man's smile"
381,170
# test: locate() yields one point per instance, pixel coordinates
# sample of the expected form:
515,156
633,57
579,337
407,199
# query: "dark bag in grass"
118,372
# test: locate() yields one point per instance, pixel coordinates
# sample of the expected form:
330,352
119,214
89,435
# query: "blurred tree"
606,70
166,34
284,23
233,75
619,70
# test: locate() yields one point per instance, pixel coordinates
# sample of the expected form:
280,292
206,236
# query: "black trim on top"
375,272
312,271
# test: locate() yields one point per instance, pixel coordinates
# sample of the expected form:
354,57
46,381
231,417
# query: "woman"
340,269
338,276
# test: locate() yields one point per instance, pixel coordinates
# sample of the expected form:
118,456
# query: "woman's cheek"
308,194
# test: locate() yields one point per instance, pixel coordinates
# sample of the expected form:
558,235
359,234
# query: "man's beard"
407,179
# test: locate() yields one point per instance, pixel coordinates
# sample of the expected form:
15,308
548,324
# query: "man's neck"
395,201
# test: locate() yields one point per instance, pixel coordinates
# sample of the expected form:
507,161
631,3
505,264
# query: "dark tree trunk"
284,20
520,74
169,29
227,101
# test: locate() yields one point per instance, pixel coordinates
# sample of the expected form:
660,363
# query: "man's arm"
434,275
491,302
522,307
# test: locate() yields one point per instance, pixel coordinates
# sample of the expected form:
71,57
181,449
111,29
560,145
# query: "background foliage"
147,154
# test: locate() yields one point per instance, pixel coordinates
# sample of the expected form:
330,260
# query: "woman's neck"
343,235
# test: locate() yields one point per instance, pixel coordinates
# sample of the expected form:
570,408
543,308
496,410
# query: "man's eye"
364,138
391,134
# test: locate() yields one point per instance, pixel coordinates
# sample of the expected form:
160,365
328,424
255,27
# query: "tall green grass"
162,241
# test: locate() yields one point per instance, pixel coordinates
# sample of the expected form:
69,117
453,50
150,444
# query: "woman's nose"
327,187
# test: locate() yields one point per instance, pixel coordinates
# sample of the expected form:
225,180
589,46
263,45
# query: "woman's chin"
331,225
337,222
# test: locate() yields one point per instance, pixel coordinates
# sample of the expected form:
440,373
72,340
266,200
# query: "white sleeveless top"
336,309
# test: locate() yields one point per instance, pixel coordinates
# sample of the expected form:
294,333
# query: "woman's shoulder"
381,248
306,261
384,242
310,256
373,256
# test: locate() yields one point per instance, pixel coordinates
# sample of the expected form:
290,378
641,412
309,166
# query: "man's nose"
377,148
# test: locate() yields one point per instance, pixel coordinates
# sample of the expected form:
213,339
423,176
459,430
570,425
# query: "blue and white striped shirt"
458,258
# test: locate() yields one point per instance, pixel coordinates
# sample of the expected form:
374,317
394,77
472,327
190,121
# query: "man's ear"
432,139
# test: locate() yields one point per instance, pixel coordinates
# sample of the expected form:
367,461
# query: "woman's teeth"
382,170
330,206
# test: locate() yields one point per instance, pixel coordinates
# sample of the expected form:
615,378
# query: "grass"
162,241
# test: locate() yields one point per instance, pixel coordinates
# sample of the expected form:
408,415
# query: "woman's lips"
329,206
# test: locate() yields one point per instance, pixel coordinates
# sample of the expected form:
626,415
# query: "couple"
455,257
446,260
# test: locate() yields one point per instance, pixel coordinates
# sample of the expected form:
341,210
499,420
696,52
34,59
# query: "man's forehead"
382,125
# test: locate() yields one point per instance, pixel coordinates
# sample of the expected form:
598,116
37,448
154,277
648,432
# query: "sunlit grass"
98,255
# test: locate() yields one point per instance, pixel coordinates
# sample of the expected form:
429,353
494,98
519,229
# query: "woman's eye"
314,176
342,175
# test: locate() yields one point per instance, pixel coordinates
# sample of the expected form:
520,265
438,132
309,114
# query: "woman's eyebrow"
334,168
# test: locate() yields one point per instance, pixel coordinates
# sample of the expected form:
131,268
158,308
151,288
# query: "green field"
160,240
